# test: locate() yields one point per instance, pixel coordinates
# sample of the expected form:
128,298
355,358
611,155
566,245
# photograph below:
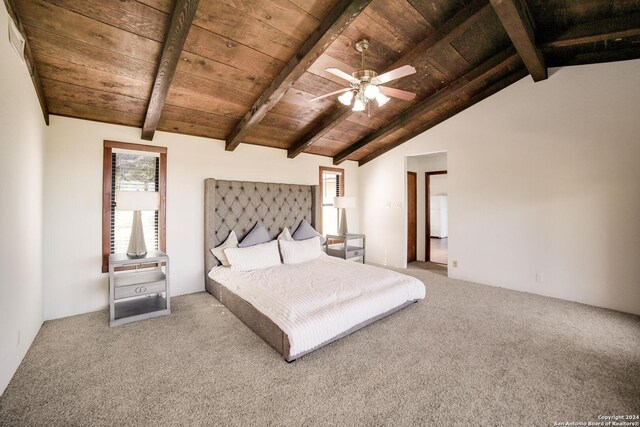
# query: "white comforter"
315,301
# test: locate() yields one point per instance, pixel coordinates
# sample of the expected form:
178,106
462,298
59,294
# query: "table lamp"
344,203
136,201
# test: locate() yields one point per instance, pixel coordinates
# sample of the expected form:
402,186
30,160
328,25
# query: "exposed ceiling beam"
327,123
450,30
517,22
28,56
181,19
473,77
497,87
331,27
597,31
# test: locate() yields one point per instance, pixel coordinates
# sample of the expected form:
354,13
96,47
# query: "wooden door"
412,212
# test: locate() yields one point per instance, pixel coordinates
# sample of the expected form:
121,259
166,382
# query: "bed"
295,308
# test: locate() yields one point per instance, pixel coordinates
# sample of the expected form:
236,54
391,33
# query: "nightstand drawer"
141,289
338,251
355,253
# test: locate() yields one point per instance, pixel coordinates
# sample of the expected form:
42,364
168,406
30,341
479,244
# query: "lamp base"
343,229
137,246
136,255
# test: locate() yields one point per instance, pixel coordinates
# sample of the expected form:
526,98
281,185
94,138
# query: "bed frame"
237,205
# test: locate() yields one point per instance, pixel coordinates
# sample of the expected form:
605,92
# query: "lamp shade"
344,202
136,200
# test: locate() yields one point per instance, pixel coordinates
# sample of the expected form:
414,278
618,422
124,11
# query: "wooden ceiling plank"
220,18
77,27
191,83
197,117
209,69
338,19
516,21
437,11
165,6
316,8
327,123
479,73
280,15
597,31
189,128
28,56
412,28
506,81
223,50
200,101
132,16
54,68
178,30
315,84
96,114
84,55
450,30
93,97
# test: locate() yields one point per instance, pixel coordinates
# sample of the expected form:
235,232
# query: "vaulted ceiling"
245,71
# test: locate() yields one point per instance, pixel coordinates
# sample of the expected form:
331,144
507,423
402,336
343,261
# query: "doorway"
436,217
412,216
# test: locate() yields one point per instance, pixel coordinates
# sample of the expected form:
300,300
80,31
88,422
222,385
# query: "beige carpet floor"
467,355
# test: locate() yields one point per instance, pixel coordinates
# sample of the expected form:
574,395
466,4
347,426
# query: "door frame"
414,174
427,209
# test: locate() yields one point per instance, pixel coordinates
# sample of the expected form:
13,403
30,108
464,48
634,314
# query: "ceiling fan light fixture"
382,99
346,98
359,104
371,91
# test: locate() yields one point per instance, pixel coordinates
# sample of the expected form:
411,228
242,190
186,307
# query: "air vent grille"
16,39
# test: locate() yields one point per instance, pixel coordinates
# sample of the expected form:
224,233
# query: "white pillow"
218,251
285,235
254,257
299,251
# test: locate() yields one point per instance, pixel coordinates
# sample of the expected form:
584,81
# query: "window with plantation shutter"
331,186
132,167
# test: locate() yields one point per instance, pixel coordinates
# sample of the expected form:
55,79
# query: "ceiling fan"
366,85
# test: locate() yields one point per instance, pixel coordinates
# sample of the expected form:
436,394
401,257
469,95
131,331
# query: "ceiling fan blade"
405,70
331,93
397,93
348,77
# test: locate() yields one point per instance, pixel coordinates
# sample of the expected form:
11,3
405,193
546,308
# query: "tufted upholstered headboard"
237,205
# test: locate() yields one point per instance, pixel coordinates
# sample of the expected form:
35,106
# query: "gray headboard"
237,205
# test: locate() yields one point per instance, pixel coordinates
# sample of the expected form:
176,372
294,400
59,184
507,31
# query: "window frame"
321,188
107,177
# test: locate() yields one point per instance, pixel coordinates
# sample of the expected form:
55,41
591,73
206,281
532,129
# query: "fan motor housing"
364,75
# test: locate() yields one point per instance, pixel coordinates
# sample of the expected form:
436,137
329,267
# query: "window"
132,167
331,185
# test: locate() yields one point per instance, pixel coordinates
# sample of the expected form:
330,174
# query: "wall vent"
16,39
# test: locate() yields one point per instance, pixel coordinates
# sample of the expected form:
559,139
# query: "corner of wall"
21,161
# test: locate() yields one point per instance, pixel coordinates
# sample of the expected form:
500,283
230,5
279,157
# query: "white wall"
420,165
73,204
21,153
542,177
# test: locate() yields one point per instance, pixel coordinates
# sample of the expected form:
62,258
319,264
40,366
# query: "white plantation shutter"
133,172
331,183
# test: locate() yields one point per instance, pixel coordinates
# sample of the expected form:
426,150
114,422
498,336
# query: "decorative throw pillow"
218,251
256,236
296,252
285,235
306,231
254,257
